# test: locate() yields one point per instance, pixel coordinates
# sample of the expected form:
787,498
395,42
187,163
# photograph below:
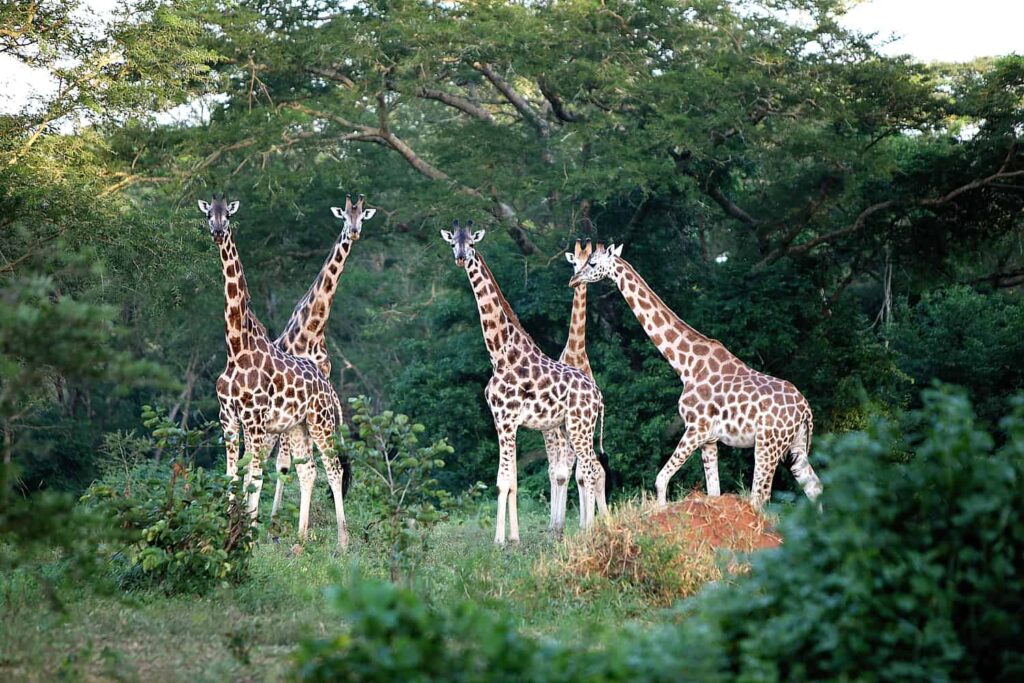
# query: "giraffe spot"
728,368
700,349
232,290
236,346
713,365
704,391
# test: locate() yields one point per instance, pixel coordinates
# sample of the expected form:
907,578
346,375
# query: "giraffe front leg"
322,434
257,443
559,468
283,465
506,481
693,438
709,454
581,437
307,479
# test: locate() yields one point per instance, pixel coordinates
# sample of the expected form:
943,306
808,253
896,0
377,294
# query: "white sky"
930,30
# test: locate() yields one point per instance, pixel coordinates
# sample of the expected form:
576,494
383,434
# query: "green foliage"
393,634
185,530
961,336
403,499
912,572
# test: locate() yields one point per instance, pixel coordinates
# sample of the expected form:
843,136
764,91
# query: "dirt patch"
666,553
724,522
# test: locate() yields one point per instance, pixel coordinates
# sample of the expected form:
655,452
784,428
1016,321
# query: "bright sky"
930,30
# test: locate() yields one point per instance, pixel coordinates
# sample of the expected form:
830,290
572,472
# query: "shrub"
401,496
186,528
913,571
394,635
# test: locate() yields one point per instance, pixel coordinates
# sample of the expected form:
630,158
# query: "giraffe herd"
278,390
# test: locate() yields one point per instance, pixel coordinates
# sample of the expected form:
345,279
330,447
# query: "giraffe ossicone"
527,388
723,399
263,391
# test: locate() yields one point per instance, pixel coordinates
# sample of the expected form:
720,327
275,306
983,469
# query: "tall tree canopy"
779,182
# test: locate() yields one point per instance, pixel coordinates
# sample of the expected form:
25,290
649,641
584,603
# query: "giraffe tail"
602,457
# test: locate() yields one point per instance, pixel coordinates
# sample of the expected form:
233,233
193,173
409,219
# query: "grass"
247,632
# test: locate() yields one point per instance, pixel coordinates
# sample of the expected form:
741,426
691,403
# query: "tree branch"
515,99
557,106
462,104
864,215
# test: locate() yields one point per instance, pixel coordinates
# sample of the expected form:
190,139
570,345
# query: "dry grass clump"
667,553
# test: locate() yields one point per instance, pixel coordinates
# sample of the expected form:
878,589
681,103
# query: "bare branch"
462,104
515,99
557,106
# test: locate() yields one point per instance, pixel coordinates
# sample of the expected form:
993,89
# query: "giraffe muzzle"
575,280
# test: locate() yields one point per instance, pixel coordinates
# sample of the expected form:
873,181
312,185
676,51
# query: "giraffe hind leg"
322,433
769,449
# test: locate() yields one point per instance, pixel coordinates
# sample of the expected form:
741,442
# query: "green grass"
247,632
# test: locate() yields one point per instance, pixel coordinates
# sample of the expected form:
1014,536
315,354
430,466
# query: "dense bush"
400,495
913,571
394,635
186,528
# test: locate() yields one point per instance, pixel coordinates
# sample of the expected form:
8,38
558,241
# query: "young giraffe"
303,337
526,388
263,390
560,454
724,400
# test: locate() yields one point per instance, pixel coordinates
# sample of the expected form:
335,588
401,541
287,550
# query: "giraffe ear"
368,214
615,249
204,206
478,235
232,208
446,235
338,212
570,258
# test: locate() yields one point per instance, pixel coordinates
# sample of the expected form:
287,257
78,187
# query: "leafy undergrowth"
664,553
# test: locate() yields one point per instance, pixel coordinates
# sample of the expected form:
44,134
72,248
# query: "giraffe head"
578,258
462,241
353,215
218,213
598,265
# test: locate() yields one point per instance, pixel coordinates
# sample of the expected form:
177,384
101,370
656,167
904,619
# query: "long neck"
686,349
308,321
575,351
241,328
497,320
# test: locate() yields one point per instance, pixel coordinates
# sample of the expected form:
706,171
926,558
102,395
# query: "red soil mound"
698,522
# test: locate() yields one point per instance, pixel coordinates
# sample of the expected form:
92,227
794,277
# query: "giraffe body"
304,337
724,400
528,389
265,392
561,456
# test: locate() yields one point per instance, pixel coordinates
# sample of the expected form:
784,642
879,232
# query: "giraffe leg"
506,477
581,436
257,443
709,454
769,448
229,425
692,439
305,468
321,434
284,458
801,466
559,468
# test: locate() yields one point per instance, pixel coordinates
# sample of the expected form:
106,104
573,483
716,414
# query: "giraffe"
723,399
574,354
526,388
263,391
303,337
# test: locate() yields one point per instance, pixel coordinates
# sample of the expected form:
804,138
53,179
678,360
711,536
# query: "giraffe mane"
503,302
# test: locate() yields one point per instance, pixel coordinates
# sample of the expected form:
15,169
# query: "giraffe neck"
575,351
501,328
241,327
305,328
686,349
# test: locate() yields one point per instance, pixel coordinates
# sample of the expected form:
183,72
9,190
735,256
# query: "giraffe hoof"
297,549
